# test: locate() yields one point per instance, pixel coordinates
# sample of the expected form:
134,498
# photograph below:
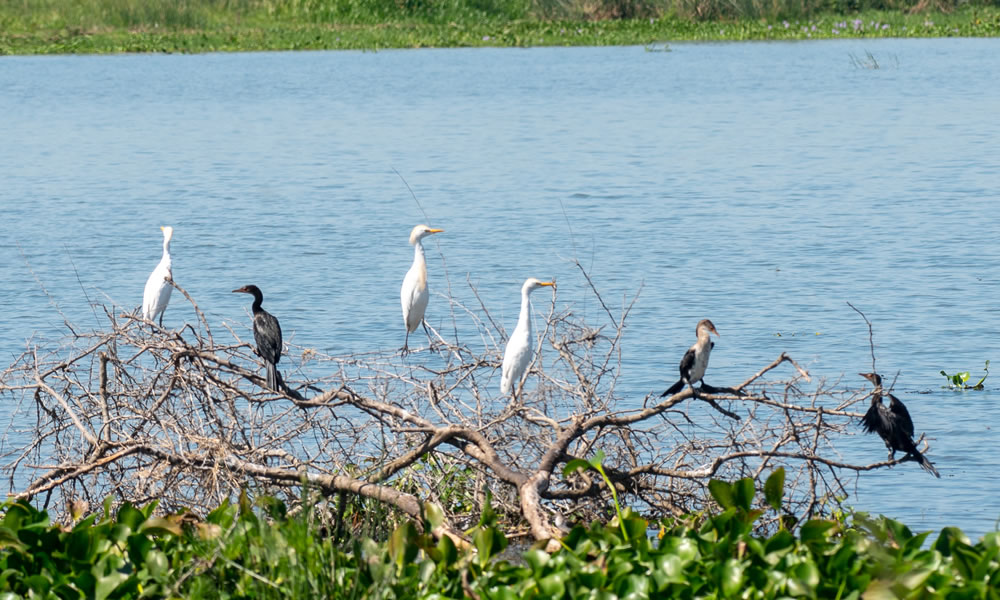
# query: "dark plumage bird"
695,360
267,333
893,424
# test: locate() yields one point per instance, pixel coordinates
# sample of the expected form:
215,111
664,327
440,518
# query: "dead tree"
139,413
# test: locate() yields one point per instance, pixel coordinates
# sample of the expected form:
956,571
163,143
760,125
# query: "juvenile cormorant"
413,295
267,333
695,361
517,356
157,293
893,424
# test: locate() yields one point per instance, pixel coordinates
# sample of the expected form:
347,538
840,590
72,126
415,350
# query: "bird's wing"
687,363
413,296
267,333
901,416
516,357
872,421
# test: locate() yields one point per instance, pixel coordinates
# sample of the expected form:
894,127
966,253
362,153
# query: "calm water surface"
761,185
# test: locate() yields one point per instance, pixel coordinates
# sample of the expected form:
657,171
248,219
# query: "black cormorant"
267,333
893,424
695,360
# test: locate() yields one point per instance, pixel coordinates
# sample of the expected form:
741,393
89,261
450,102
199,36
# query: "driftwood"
139,413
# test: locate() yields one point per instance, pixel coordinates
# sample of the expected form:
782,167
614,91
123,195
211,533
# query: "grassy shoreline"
262,32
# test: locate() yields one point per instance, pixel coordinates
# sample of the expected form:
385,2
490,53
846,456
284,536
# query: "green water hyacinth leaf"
815,530
8,539
732,577
447,553
722,492
160,526
402,544
743,493
537,559
554,585
488,542
574,465
488,517
433,514
774,488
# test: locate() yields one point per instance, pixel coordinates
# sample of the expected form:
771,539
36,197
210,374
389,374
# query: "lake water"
762,185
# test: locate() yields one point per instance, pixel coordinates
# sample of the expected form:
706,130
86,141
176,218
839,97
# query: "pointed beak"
436,230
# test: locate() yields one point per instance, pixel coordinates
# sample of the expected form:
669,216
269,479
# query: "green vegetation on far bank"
114,26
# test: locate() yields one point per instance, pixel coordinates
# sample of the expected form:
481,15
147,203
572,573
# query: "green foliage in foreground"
114,26
241,551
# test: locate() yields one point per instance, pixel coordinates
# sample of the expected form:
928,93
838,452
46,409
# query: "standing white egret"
157,293
695,360
518,354
413,295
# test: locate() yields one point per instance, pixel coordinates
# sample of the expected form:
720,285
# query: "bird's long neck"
258,299
166,251
419,265
524,319
418,255
877,392
704,339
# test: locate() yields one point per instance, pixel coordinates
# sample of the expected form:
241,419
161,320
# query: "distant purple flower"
809,35
580,31
486,38
858,23
804,28
872,24
785,23
835,31
928,23
769,27
814,28
886,26
842,25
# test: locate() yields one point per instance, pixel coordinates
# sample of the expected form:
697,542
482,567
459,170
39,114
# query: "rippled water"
762,185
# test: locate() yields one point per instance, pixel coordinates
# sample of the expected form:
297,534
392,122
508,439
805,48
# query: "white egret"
267,334
157,293
695,360
518,354
413,295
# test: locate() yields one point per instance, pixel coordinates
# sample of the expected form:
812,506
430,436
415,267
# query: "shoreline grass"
57,32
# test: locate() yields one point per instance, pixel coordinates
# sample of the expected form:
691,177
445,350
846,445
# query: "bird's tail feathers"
674,388
272,376
927,465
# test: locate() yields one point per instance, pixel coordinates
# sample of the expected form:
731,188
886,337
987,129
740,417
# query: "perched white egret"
413,295
520,346
157,292
695,360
